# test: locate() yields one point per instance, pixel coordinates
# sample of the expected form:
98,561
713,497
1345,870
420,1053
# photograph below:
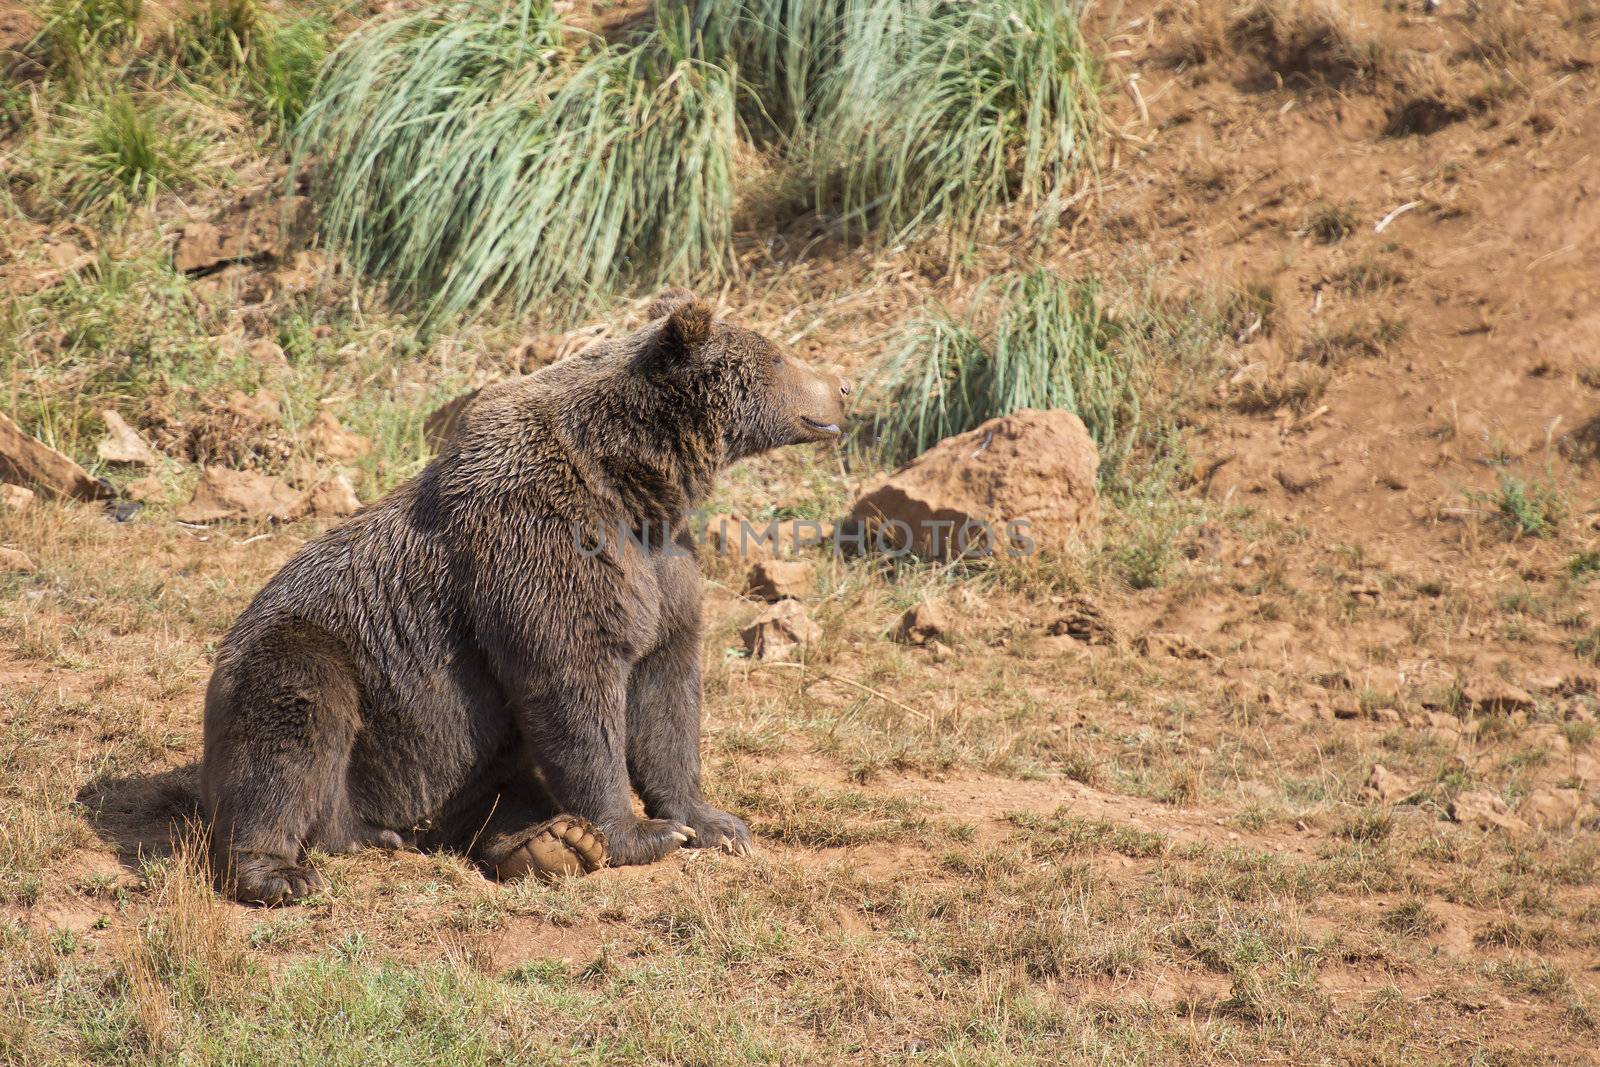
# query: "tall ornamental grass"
480,151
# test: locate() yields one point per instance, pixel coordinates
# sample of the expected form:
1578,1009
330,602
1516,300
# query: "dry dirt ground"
1157,845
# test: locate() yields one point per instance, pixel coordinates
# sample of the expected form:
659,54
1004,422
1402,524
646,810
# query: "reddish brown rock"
123,445
1386,787
14,562
1554,809
26,459
333,442
775,579
1492,695
15,497
334,498
1485,811
928,623
780,632
1025,477
224,494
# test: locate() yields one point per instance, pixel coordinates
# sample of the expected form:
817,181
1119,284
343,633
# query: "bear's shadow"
144,816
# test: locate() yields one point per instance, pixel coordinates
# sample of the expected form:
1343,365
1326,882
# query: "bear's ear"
688,327
669,300
684,333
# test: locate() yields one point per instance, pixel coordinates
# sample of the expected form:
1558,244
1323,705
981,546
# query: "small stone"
1554,809
1586,769
268,354
333,442
25,458
1084,621
1388,716
224,494
1175,645
774,579
740,538
1485,811
1494,695
924,624
1386,787
146,490
1299,477
1346,706
780,632
122,443
335,498
15,497
14,562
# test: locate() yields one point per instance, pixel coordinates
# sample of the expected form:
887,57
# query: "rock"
268,354
1486,694
741,538
262,409
1586,769
1485,811
224,494
1015,483
258,232
1554,809
927,623
780,632
122,443
24,458
1299,477
15,562
438,426
335,498
333,442
146,490
775,579
1388,716
1386,787
1346,706
1084,621
15,497
202,245
1175,645
1548,736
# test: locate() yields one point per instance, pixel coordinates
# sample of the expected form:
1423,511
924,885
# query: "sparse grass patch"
1329,222
1529,508
1034,340
1370,337
1411,918
119,152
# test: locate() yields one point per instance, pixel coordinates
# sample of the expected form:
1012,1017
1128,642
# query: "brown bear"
490,656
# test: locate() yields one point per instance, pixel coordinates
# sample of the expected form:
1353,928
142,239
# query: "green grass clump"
469,156
1035,340
274,61
118,152
78,36
1531,508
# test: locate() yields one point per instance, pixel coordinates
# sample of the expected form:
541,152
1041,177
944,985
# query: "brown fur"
452,667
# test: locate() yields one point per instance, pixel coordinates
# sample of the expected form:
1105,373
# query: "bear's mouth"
829,428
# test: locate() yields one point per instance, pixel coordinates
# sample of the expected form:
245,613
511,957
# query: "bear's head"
764,397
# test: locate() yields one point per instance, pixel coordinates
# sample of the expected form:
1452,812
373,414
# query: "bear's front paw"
271,881
644,840
716,829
